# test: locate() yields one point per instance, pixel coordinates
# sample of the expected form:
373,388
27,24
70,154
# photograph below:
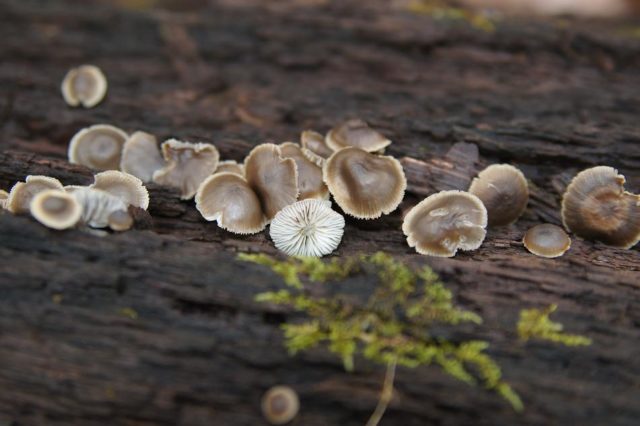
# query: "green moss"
440,10
536,324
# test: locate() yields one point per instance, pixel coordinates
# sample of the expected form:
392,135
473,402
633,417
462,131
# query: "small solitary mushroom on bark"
356,133
85,85
98,147
56,209
141,156
280,405
547,240
22,193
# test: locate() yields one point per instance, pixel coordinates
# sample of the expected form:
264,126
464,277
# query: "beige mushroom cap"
504,191
273,178
229,200
230,166
98,147
310,183
596,206
97,206
3,198
280,405
85,85
547,240
445,222
124,186
364,185
141,156
188,165
22,193
56,209
120,220
356,133
314,147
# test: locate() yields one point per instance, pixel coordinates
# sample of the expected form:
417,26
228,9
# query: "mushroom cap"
273,178
188,165
595,206
547,240
22,193
364,185
56,209
98,147
229,200
444,222
3,198
124,186
307,228
280,405
120,220
230,166
356,133
310,183
97,206
141,156
504,191
85,85
314,147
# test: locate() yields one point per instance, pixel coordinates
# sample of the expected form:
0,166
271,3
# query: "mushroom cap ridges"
56,209
22,193
310,183
124,186
98,147
97,206
546,240
85,85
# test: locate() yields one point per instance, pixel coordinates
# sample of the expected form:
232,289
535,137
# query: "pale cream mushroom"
97,206
356,133
307,228
596,207
547,240
280,405
273,178
230,166
3,198
124,186
22,193
85,85
504,191
310,183
141,156
98,147
187,166
314,147
56,209
364,185
446,222
120,220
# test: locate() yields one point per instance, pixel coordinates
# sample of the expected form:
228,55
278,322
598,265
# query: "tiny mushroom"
595,206
230,166
3,198
310,184
124,186
444,222
187,165
22,193
98,147
97,205
547,240
364,185
141,156
504,191
280,405
314,147
307,228
56,209
85,85
120,220
358,134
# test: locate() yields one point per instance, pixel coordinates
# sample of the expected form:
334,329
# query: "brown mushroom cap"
124,186
358,134
85,85
141,156
98,147
547,240
596,206
504,191
22,193
3,198
280,405
364,185
97,205
314,147
310,183
56,209
230,166
273,178
188,165
444,222
228,199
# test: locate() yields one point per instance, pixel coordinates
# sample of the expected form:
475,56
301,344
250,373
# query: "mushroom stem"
385,395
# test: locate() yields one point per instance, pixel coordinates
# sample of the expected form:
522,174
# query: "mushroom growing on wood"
547,240
280,405
22,193
595,206
356,133
141,156
124,186
56,209
230,166
97,205
85,85
98,147
310,183
446,222
3,198
314,147
120,220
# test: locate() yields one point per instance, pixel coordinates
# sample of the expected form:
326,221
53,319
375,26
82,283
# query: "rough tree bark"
158,326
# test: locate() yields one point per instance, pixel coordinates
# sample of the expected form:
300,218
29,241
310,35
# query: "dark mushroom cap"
547,240
310,183
356,133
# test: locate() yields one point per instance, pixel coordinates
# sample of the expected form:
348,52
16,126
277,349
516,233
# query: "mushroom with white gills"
56,209
3,198
273,178
97,206
307,228
187,165
364,185
310,183
22,193
141,156
98,147
596,206
356,133
446,222
546,240
314,147
280,405
230,166
85,85
127,187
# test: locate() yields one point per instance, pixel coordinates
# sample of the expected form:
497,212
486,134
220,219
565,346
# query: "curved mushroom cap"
444,222
596,206
314,147
124,186
228,199
22,193
547,240
188,165
85,85
310,183
307,228
504,191
273,178
358,134
56,209
230,166
97,206
280,405
98,147
364,185
120,220
141,156
3,198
